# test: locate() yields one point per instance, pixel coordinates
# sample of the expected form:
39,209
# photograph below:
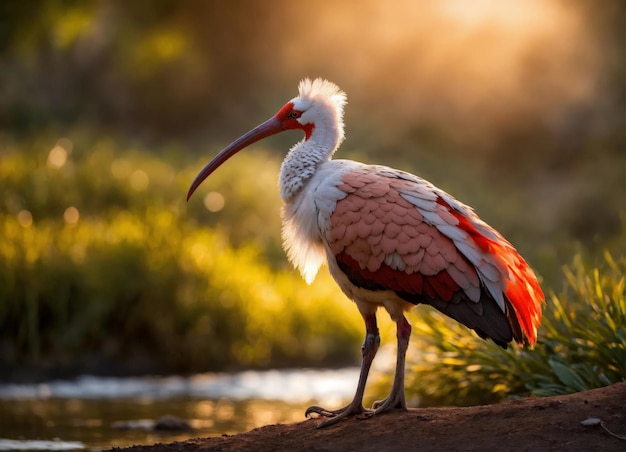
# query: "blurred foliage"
108,109
138,281
581,345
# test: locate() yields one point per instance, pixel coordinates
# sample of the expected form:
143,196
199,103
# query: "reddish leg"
396,398
369,349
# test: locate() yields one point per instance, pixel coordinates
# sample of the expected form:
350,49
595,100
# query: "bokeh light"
25,218
139,180
71,215
57,157
214,201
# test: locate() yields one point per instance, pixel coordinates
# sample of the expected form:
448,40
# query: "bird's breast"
306,218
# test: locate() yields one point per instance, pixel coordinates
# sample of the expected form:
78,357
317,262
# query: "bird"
390,239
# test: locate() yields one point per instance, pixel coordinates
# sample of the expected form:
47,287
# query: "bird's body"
390,239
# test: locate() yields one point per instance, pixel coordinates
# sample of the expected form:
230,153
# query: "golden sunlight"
515,16
472,63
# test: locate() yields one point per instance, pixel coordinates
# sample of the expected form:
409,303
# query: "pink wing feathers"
395,231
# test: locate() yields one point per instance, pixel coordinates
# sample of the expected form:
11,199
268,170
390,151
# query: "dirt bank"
532,424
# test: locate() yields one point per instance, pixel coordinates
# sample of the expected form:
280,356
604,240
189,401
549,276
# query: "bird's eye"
294,114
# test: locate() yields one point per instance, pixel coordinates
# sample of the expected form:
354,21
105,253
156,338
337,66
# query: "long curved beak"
270,127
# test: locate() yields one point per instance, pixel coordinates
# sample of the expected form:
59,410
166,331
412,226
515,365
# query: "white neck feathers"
322,105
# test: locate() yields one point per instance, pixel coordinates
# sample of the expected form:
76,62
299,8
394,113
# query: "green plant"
585,335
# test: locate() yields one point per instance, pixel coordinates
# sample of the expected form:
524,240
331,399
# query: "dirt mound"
551,423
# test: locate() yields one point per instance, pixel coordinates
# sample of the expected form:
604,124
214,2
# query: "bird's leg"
396,398
368,349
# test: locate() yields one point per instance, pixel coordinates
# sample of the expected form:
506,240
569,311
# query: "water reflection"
84,411
13,444
291,385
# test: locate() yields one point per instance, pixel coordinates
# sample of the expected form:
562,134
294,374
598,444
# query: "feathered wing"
395,231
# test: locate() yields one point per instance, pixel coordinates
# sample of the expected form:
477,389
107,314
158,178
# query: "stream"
95,413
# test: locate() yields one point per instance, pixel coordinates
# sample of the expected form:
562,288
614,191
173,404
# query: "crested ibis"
390,239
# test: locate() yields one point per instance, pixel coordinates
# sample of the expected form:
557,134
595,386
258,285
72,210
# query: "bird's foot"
335,416
394,401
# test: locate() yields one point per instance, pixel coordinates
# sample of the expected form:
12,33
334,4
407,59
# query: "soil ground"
530,424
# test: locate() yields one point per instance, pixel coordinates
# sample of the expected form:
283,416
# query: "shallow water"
83,413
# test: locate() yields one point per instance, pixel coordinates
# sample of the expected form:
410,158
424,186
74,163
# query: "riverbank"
551,423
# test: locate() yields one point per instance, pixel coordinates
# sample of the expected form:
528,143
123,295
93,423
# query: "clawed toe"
335,416
390,403
320,411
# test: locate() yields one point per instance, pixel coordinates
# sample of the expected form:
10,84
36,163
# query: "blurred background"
109,108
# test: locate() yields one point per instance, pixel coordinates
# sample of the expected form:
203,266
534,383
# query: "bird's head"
318,108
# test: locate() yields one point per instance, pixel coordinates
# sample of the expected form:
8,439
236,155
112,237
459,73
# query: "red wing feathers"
522,288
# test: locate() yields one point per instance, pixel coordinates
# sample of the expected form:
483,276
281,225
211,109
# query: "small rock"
172,423
591,421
